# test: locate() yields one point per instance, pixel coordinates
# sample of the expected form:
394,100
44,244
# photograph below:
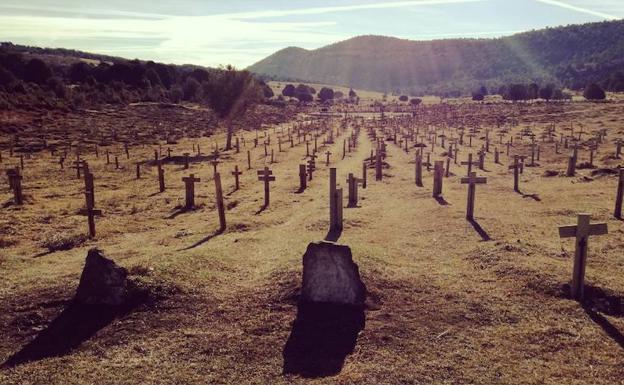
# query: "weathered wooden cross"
266,176
619,195
15,183
189,185
236,174
353,185
469,163
516,169
472,180
219,199
581,231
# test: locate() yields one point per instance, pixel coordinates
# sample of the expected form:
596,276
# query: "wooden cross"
438,171
189,184
619,195
469,163
581,232
418,171
186,160
516,167
335,202
236,174
266,176
311,166
378,166
353,185
328,153
219,199
161,177
78,166
302,177
472,180
15,183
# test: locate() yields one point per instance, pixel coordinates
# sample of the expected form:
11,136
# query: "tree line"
27,79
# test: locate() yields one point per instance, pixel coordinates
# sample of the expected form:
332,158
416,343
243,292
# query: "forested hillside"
571,56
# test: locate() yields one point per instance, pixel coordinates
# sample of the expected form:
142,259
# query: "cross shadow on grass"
204,240
322,335
482,233
441,201
597,302
77,323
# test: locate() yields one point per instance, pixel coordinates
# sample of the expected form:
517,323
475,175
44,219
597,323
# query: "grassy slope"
444,307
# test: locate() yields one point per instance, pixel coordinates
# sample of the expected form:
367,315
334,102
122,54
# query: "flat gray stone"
102,282
331,276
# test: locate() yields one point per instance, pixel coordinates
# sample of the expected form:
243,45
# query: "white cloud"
577,8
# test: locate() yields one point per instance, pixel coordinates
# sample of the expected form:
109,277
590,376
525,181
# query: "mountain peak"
383,63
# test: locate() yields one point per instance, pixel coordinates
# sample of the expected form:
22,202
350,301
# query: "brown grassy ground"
444,306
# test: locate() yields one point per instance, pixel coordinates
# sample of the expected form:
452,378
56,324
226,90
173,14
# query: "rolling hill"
570,56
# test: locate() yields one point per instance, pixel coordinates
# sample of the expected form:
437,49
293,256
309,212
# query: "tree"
352,93
483,91
326,94
304,97
230,93
533,91
403,98
6,78
78,72
546,92
192,89
415,101
37,71
518,92
477,96
594,92
289,90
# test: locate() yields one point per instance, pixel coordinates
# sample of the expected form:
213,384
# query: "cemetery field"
449,300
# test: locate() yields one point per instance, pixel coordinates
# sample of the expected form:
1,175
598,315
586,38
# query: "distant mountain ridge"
570,56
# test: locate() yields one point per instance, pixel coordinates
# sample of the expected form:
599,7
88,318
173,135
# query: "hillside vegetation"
572,56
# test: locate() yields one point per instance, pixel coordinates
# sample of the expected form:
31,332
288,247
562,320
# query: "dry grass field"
449,302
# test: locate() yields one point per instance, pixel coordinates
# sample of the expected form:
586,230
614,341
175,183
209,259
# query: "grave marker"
219,199
236,174
472,180
581,231
189,186
266,176
619,195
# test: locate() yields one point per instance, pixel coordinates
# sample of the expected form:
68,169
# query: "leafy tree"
352,93
546,92
230,93
518,92
483,91
415,101
37,71
403,98
533,91
78,72
289,90
477,96
201,75
153,77
594,92
326,94
304,97
192,89
6,77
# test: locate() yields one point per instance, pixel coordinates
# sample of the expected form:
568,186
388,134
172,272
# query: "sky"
241,32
